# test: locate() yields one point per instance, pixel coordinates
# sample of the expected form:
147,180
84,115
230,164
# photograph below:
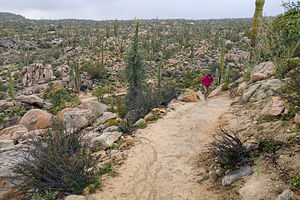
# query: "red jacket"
207,81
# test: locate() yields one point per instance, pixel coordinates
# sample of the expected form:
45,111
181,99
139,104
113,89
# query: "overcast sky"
143,9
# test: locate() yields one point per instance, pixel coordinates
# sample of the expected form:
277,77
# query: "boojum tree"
135,71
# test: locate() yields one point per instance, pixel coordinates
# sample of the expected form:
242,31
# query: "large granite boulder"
262,71
32,100
36,119
189,96
96,107
274,108
75,118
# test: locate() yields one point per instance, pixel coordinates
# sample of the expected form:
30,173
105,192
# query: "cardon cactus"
257,21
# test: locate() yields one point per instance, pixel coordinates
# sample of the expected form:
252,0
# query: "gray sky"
128,9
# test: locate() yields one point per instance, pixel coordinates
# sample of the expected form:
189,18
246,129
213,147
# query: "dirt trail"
160,165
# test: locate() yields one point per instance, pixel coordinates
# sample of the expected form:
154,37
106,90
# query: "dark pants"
206,89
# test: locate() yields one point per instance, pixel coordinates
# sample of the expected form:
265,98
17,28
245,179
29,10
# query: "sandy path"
160,165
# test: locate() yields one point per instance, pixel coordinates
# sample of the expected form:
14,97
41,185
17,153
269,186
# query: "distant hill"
10,16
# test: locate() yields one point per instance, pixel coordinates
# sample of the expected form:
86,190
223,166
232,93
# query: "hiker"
206,81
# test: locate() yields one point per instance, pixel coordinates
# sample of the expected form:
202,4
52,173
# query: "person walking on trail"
206,82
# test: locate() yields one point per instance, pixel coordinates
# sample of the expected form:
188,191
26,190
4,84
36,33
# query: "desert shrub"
3,88
113,122
228,149
60,98
225,86
57,161
126,126
269,145
2,95
121,107
16,75
56,55
99,92
291,90
95,70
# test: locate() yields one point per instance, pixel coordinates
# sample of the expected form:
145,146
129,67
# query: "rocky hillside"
10,16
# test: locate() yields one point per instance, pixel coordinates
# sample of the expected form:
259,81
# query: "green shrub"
95,70
99,92
268,146
3,88
55,162
153,117
225,86
16,75
60,98
291,90
2,95
113,122
56,55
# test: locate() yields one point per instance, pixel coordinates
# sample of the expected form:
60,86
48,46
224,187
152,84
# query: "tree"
135,71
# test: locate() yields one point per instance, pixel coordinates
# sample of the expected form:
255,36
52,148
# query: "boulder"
106,116
36,119
285,195
267,89
111,129
297,120
200,95
75,197
189,96
148,116
105,140
242,87
216,91
140,122
32,100
6,105
37,74
75,118
274,108
249,92
263,71
259,186
236,175
96,107
13,132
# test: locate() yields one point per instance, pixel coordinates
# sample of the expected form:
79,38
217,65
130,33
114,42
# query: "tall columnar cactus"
75,75
102,55
257,21
222,62
227,74
217,76
107,31
11,85
159,72
116,28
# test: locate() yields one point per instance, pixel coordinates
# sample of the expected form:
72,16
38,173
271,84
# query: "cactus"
107,31
217,75
75,76
11,85
257,21
227,74
222,62
102,55
116,28
159,72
